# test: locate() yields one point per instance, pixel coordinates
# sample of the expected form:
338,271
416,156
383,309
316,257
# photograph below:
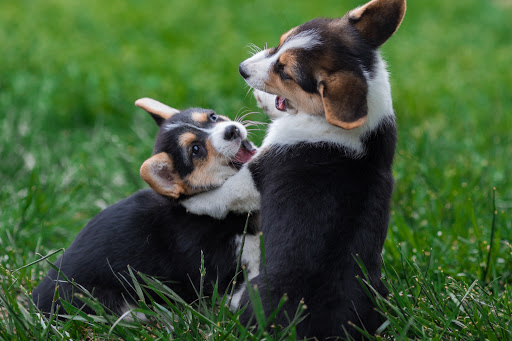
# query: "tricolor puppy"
195,150
322,178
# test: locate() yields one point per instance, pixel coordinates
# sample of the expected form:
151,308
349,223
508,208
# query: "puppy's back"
151,234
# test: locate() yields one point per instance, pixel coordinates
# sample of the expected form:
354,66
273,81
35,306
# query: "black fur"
345,47
153,235
320,209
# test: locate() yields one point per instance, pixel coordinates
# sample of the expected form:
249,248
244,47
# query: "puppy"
195,150
322,178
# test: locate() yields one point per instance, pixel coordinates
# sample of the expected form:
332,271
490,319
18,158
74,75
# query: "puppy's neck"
305,128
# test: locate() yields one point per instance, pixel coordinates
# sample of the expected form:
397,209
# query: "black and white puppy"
195,150
322,178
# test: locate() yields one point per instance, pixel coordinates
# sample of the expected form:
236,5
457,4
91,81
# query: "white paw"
200,205
129,315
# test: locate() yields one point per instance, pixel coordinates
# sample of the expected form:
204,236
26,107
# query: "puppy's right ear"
159,111
158,171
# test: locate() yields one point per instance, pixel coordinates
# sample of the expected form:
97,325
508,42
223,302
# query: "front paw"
202,206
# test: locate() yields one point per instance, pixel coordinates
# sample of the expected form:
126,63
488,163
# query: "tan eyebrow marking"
199,117
286,35
289,60
186,139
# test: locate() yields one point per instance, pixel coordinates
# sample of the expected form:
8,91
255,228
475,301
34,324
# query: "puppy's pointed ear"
158,171
344,99
159,111
378,19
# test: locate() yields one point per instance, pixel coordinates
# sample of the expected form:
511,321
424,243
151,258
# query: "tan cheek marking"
205,171
212,152
305,102
200,117
312,103
186,139
274,82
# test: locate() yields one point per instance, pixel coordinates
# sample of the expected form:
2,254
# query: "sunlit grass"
71,143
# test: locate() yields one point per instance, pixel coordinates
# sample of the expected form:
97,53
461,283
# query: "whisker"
237,117
252,132
248,90
247,114
256,47
255,128
253,49
240,118
250,123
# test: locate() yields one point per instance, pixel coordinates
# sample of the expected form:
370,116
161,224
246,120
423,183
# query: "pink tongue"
280,103
243,155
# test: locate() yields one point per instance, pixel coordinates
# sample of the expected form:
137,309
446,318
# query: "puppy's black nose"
242,71
232,132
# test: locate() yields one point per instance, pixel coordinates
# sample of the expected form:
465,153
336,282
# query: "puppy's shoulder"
128,214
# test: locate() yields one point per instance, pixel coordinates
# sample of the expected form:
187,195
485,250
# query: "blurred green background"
72,142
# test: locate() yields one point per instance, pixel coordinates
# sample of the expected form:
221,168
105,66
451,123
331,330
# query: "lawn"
72,142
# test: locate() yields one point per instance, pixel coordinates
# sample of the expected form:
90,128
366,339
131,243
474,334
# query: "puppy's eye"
279,68
213,117
196,149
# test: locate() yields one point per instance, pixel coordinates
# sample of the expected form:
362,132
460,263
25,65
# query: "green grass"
71,143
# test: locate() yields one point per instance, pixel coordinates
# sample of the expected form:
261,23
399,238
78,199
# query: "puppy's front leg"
237,194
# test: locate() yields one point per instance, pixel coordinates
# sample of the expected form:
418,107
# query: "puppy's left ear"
159,111
158,171
377,20
344,99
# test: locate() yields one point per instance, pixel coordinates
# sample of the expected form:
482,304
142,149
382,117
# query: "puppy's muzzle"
243,71
232,132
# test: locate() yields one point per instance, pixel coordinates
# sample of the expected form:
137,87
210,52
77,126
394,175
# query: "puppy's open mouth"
244,154
281,103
